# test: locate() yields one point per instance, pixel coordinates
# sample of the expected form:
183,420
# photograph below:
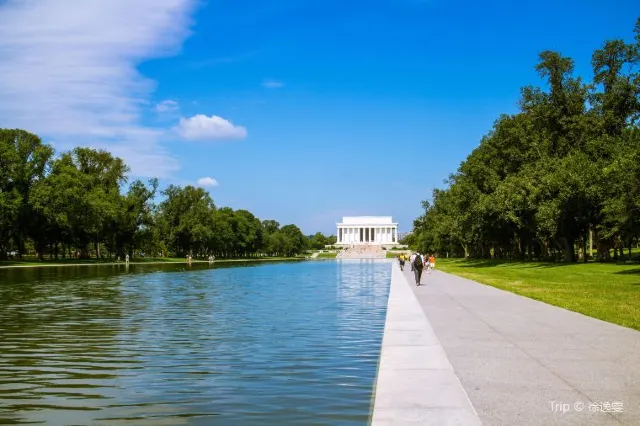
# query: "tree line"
73,205
556,179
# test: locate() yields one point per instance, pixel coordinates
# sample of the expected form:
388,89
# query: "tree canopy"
544,181
80,204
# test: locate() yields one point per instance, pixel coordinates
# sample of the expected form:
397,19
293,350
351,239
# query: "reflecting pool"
230,344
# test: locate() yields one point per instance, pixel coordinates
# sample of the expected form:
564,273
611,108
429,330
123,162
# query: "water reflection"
287,343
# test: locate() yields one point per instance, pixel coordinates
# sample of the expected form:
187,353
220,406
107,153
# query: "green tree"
187,220
544,180
23,163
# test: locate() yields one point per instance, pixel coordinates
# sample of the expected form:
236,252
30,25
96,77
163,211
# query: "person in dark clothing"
417,268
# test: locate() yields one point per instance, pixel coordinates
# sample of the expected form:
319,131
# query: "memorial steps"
362,252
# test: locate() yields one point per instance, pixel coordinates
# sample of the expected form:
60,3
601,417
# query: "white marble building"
367,230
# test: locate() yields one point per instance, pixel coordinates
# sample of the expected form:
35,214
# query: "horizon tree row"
73,206
562,173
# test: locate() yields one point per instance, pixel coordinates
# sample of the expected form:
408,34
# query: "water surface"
270,343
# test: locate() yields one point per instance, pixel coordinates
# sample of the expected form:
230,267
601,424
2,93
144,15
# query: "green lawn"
393,254
62,262
608,291
326,255
52,262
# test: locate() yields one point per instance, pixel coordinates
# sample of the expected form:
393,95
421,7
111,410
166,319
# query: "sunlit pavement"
526,362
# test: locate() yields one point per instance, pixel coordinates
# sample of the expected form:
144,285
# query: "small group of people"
419,262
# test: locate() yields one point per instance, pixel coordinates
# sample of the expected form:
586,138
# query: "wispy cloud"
222,60
202,127
272,84
207,182
167,106
69,72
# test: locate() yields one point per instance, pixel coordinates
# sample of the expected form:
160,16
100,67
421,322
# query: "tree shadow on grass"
476,264
552,264
629,272
489,263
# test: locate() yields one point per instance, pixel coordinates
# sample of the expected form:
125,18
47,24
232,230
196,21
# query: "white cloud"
167,106
207,181
272,84
69,72
202,127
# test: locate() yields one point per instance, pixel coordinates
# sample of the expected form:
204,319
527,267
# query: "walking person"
402,262
426,263
432,262
417,267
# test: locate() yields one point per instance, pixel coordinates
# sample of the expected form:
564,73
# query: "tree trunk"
568,249
519,250
603,249
39,249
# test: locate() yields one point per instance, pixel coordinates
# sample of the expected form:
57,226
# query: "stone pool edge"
415,382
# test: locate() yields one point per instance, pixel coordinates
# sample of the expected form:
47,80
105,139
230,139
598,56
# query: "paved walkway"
523,362
416,384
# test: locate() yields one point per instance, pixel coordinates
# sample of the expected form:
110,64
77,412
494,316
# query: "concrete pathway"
416,384
524,362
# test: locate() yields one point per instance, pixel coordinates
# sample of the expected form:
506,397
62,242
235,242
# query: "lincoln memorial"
370,230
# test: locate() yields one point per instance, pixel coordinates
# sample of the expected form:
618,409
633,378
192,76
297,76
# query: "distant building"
367,230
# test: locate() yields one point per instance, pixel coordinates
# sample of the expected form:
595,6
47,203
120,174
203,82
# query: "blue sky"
299,111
